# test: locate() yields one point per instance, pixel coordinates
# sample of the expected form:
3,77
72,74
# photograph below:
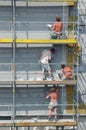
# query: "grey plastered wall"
32,101
30,56
27,94
29,100
31,21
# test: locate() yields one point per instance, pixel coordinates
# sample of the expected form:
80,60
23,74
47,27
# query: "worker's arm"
40,55
53,27
56,89
48,95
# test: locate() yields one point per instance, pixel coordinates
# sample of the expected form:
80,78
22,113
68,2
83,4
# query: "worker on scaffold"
56,29
67,71
45,57
53,95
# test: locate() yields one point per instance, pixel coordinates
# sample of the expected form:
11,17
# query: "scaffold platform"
43,82
29,123
40,41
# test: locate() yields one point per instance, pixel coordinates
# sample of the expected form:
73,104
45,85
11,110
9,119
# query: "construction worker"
53,95
67,71
56,29
46,56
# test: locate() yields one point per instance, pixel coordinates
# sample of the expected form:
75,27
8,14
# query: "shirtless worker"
53,95
67,71
56,29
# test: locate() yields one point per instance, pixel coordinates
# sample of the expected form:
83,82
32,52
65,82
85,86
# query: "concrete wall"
31,21
23,71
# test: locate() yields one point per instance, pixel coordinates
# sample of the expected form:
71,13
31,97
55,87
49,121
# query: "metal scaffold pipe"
14,39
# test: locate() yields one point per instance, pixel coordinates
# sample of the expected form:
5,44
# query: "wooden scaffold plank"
59,123
63,82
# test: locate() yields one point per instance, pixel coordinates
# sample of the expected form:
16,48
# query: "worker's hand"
52,55
47,95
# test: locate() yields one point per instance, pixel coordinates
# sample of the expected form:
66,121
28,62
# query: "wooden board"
44,82
40,123
64,82
62,123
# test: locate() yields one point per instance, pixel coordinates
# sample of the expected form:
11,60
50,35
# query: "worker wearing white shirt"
45,57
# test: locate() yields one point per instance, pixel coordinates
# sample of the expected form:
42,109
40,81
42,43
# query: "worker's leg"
49,70
49,73
50,114
53,35
43,73
50,108
55,113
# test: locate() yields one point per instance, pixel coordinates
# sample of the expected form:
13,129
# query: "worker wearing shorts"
46,56
53,95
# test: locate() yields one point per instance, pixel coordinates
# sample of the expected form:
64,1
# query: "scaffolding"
71,43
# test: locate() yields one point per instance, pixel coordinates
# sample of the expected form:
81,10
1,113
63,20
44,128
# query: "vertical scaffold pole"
63,19
78,39
77,91
13,63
